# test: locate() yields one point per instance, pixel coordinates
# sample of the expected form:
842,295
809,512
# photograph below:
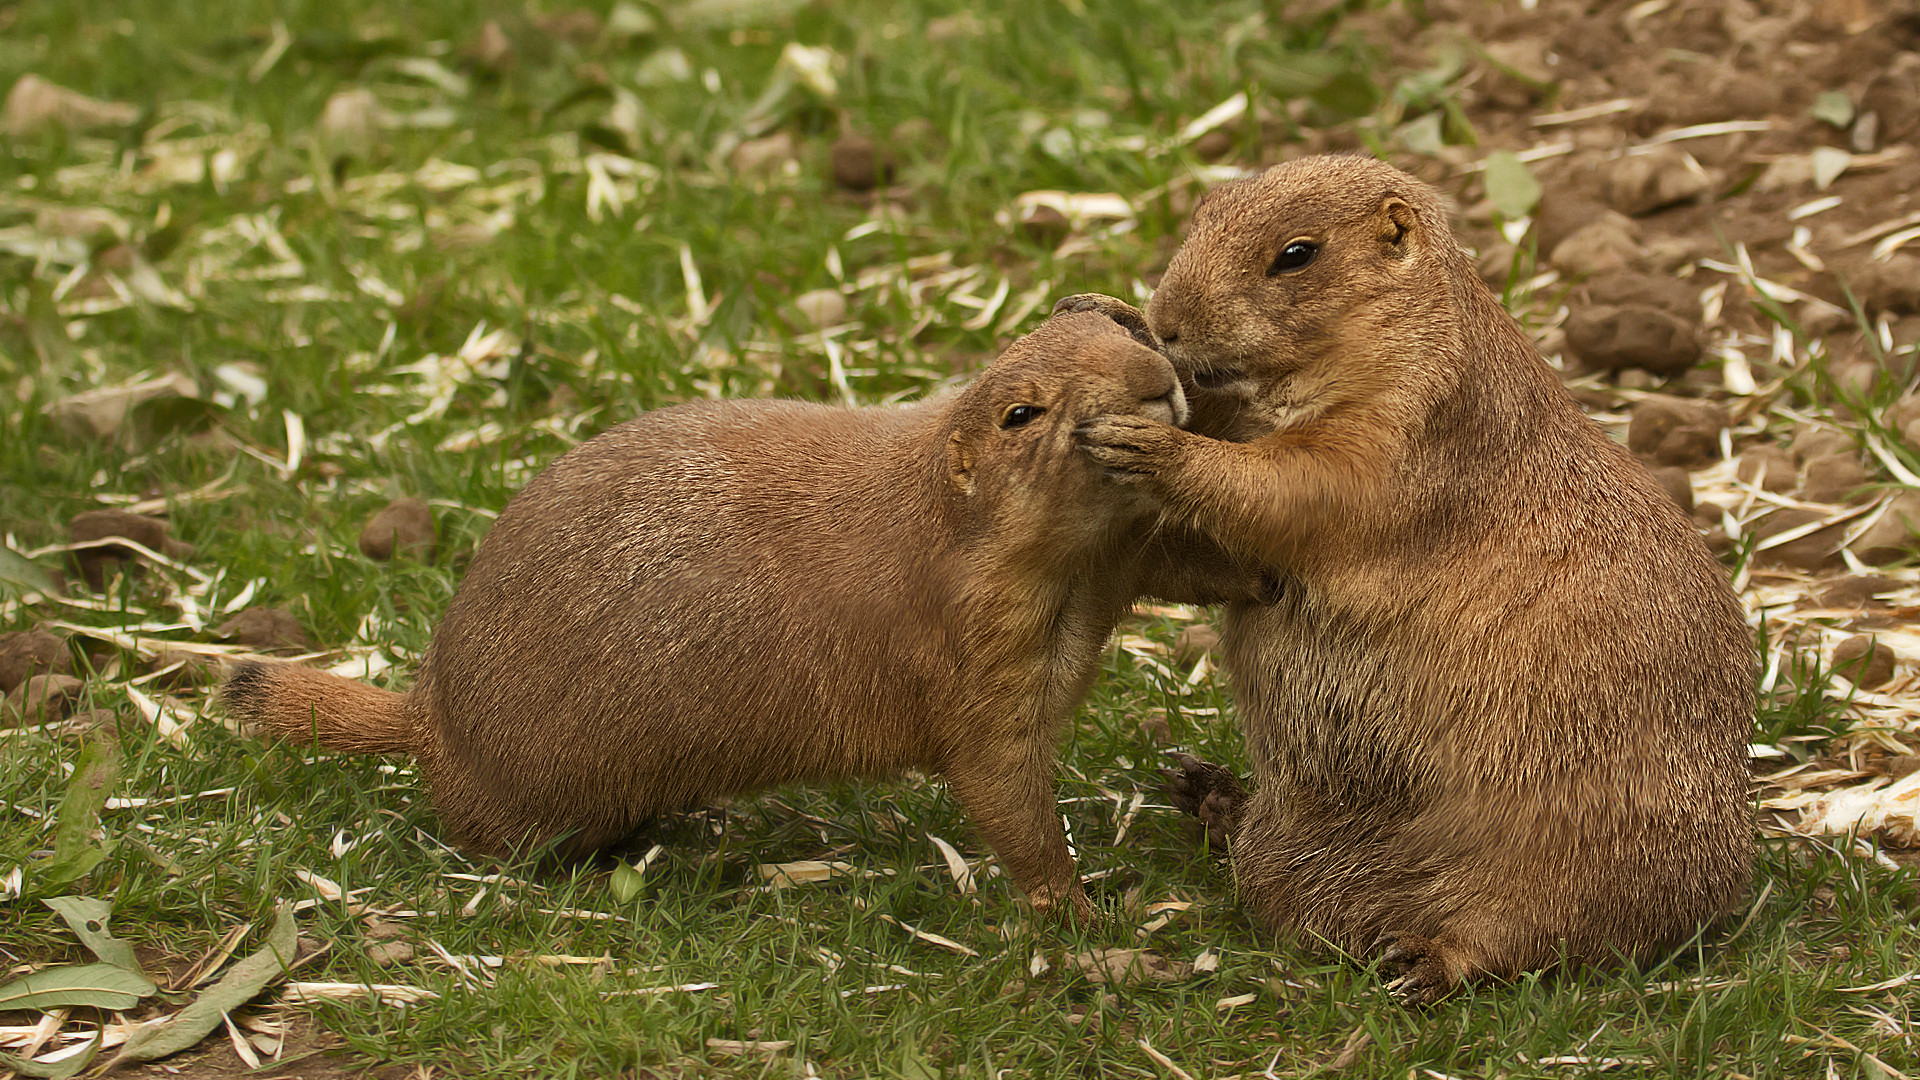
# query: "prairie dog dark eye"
1295,255
1020,415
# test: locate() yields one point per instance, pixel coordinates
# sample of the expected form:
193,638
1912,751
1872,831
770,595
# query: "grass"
351,285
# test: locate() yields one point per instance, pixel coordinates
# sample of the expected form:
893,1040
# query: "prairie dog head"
1290,278
1011,445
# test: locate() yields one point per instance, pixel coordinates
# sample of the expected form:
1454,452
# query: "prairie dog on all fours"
1500,711
724,596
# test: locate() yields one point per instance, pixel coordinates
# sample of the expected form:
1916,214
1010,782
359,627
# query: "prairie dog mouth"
1171,409
1217,378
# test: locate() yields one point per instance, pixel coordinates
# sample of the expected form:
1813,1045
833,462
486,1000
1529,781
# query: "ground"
270,270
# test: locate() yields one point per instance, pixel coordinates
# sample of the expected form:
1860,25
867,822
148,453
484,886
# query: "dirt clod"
1679,485
98,564
1817,550
1890,286
1608,338
859,164
1193,643
1605,246
267,629
1640,184
404,527
42,699
1855,590
1832,478
1894,535
1676,431
390,953
1626,288
1768,467
1864,661
1818,440
25,653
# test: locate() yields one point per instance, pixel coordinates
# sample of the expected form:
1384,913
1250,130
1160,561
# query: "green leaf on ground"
1511,186
76,850
242,982
88,918
1834,107
21,574
103,986
625,883
1348,95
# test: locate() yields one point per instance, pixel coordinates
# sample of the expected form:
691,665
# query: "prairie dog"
1500,710
724,596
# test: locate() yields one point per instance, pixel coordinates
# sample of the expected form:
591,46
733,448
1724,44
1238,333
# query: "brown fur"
1499,713
725,596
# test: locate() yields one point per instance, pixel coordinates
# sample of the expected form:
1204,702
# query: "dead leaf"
1129,967
34,104
101,413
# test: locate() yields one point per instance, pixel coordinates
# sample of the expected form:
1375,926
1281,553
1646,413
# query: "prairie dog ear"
960,463
1394,223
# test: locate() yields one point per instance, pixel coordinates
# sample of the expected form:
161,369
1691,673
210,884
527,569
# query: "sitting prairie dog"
724,596
1500,710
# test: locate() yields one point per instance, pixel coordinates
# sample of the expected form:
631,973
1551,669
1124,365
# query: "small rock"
1864,661
859,164
1675,431
1890,286
350,123
26,653
1214,145
42,699
492,50
1602,247
822,307
1769,467
1817,550
1893,536
1642,183
1155,727
385,930
35,104
1608,338
390,953
98,564
404,527
1904,411
1193,643
1634,378
1818,440
266,629
1679,485
763,157
1045,225
1855,590
1833,478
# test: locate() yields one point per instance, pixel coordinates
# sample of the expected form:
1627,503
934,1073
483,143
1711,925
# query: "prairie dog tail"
301,705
